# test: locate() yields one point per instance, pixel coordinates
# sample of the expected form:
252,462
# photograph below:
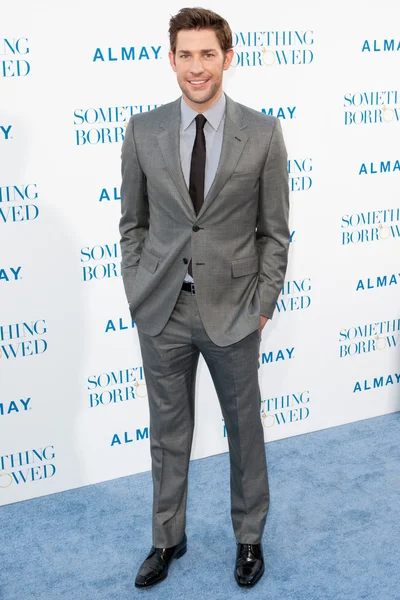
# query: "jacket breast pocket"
244,181
245,266
148,261
242,175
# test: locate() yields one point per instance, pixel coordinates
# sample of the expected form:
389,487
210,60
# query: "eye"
209,55
183,56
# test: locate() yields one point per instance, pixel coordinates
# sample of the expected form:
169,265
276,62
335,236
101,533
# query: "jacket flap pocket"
245,266
148,261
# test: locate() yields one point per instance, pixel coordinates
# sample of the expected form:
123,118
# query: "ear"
171,57
229,54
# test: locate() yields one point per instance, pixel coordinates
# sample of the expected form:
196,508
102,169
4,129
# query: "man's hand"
263,321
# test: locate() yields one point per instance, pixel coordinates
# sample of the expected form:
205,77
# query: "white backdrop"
73,405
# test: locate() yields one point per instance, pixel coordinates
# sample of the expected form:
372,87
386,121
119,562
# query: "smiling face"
199,63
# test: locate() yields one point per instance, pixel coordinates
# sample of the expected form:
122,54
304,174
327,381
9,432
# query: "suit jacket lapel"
234,140
169,142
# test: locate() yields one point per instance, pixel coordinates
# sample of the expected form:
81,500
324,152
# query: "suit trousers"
170,362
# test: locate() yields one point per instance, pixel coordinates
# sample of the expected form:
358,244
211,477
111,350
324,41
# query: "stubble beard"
198,99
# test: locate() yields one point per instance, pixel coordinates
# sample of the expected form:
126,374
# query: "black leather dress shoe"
249,564
155,568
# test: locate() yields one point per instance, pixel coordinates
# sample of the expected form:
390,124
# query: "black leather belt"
188,286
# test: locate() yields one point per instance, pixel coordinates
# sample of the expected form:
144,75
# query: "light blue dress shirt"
213,133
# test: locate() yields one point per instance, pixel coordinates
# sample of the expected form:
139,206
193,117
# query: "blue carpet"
333,530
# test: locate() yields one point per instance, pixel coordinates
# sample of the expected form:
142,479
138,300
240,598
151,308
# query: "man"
204,240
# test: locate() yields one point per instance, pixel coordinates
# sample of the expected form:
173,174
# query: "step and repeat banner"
73,399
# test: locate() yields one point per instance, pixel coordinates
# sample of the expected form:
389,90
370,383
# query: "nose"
196,66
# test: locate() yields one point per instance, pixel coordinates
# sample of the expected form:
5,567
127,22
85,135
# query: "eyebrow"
188,51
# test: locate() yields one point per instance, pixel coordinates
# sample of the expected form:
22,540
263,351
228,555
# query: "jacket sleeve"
273,235
134,222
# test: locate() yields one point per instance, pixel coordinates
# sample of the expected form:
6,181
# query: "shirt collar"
213,115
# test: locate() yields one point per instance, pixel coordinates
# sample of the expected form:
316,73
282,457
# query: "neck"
200,108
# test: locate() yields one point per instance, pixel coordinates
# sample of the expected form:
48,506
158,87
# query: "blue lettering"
85,252
360,285
293,303
9,351
78,116
25,403
24,349
395,231
281,113
22,476
381,281
141,435
104,195
348,100
93,381
110,56
363,170
110,325
98,55
15,272
266,358
388,45
13,406
6,130
392,341
282,416
143,53
128,55
156,51
282,56
122,326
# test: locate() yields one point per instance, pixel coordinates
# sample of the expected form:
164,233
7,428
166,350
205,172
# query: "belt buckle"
192,288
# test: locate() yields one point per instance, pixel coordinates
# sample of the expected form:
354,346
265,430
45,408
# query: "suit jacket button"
185,260
196,228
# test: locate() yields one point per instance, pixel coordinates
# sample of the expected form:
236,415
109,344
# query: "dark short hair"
200,18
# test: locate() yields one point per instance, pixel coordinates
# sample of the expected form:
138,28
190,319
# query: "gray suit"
238,244
239,270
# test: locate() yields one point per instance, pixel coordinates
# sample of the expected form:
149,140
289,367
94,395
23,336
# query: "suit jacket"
239,240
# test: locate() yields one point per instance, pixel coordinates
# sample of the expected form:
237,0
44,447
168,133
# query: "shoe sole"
179,554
